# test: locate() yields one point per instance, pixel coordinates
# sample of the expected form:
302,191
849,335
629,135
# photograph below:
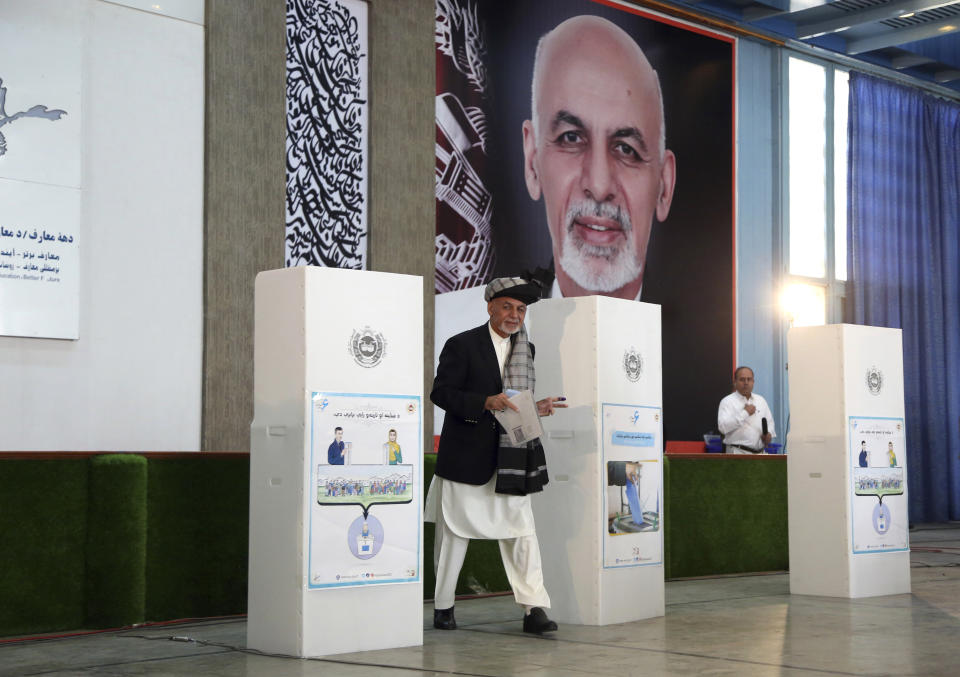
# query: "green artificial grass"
43,520
116,540
725,516
113,540
197,536
482,570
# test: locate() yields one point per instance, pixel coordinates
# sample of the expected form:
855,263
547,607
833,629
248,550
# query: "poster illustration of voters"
365,495
878,497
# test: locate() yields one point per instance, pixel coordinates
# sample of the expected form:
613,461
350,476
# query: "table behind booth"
675,447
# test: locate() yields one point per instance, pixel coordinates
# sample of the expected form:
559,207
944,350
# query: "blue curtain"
903,262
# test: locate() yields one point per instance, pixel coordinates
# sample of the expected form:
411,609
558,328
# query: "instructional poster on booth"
878,495
633,485
365,499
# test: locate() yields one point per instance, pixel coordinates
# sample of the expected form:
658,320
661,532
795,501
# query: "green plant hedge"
116,539
197,536
111,540
725,516
43,522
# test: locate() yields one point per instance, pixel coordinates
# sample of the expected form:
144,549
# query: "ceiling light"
906,16
947,28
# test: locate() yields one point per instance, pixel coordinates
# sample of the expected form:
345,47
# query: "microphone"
763,424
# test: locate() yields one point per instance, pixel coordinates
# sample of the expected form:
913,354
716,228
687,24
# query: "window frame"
835,290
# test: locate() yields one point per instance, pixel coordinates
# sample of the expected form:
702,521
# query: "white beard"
603,269
506,330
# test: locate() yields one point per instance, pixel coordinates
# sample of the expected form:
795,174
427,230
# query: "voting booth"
336,446
600,520
847,466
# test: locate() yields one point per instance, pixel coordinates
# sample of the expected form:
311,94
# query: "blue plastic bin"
714,444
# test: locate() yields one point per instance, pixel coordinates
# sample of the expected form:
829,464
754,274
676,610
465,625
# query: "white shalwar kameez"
463,511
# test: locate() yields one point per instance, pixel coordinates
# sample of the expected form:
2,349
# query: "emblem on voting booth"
367,347
874,380
633,364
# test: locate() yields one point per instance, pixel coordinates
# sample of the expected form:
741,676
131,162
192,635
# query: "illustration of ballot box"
365,542
600,519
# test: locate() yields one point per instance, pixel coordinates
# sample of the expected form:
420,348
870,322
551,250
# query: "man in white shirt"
741,417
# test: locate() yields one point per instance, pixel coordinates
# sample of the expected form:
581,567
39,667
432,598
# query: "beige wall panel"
244,209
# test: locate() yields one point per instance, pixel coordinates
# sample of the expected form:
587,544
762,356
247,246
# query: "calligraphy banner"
327,130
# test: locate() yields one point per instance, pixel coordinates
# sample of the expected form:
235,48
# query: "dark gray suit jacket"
467,374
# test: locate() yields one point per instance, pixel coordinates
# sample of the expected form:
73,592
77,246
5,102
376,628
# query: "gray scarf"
521,470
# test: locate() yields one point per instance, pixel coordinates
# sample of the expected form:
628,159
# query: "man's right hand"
499,403
750,409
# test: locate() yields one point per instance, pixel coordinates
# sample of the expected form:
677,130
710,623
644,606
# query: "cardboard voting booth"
336,495
600,520
847,466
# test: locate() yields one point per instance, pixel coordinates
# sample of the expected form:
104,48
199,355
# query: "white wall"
132,382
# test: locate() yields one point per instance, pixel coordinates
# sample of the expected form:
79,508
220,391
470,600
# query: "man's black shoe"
443,619
537,623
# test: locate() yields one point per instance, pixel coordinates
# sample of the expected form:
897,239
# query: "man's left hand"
546,406
766,439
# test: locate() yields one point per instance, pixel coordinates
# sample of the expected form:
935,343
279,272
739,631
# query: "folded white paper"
522,425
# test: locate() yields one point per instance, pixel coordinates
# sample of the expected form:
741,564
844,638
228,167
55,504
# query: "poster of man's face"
591,145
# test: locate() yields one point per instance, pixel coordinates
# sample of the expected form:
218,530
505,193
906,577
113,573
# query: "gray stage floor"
746,625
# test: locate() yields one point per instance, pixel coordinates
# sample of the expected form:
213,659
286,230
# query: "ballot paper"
523,425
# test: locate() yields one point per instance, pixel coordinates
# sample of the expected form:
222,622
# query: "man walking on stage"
483,482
